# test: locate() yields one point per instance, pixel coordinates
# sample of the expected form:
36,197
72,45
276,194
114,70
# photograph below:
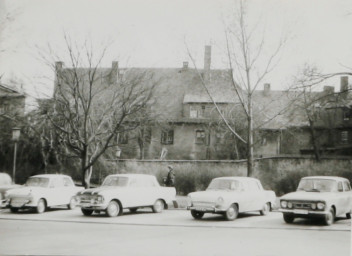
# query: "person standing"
170,179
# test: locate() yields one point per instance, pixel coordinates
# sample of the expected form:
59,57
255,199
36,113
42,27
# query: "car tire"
289,218
133,209
113,209
41,206
86,212
348,215
232,212
329,218
13,209
73,203
265,210
197,215
158,206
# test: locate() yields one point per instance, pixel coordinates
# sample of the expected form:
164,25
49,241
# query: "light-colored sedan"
42,191
126,191
230,196
325,197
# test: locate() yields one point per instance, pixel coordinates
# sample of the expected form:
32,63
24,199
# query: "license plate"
85,204
300,211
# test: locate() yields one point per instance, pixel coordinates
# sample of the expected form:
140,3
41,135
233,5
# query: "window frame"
167,137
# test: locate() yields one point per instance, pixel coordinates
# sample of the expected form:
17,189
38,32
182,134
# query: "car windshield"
224,185
37,182
317,185
115,181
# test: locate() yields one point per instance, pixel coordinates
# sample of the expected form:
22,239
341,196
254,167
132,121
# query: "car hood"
26,190
303,195
99,190
210,195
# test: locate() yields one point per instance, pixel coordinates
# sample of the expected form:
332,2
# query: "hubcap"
158,206
41,206
231,212
113,209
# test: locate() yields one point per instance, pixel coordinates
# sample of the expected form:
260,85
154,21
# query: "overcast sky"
154,33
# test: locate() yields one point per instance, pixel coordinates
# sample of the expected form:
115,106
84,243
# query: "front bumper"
92,206
21,203
206,209
304,213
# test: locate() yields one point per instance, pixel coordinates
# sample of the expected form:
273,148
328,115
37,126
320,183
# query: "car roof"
132,175
50,175
326,178
237,178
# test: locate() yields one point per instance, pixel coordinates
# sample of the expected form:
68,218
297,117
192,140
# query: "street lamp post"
16,132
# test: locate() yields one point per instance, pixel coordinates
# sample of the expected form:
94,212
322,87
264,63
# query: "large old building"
187,103
12,102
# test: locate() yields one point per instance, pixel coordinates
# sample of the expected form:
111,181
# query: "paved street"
173,232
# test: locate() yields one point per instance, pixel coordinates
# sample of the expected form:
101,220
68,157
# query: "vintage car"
42,191
126,191
325,197
230,196
5,185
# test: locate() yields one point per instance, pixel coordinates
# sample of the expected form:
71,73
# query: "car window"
37,182
115,181
68,182
339,186
57,183
253,186
347,186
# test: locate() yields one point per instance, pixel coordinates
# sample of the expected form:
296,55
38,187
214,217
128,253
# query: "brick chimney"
185,65
114,75
344,86
266,89
207,62
58,66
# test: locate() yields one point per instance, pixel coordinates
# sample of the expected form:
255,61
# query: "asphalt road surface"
173,232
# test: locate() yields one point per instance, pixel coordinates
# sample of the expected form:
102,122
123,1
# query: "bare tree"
93,105
249,64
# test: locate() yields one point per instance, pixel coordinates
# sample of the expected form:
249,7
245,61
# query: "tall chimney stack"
266,89
207,62
114,75
344,86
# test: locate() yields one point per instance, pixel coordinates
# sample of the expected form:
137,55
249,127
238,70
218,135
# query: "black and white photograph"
176,127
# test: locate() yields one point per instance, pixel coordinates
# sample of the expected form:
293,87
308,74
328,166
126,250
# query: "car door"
246,202
256,195
68,189
347,196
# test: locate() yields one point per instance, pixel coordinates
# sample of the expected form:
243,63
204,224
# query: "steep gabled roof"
6,91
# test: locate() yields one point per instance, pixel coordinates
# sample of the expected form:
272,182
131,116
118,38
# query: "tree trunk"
85,170
250,159
316,147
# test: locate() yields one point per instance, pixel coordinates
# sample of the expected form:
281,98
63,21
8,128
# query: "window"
346,114
123,138
219,137
200,137
193,113
167,137
339,186
68,182
344,137
347,186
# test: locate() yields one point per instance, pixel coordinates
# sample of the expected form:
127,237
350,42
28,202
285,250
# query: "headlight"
219,201
289,205
314,206
321,206
283,204
99,199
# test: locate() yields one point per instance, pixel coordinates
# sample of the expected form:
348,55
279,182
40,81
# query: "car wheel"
197,215
158,206
73,203
133,209
113,209
86,212
14,210
348,215
232,212
41,206
329,217
289,218
265,210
